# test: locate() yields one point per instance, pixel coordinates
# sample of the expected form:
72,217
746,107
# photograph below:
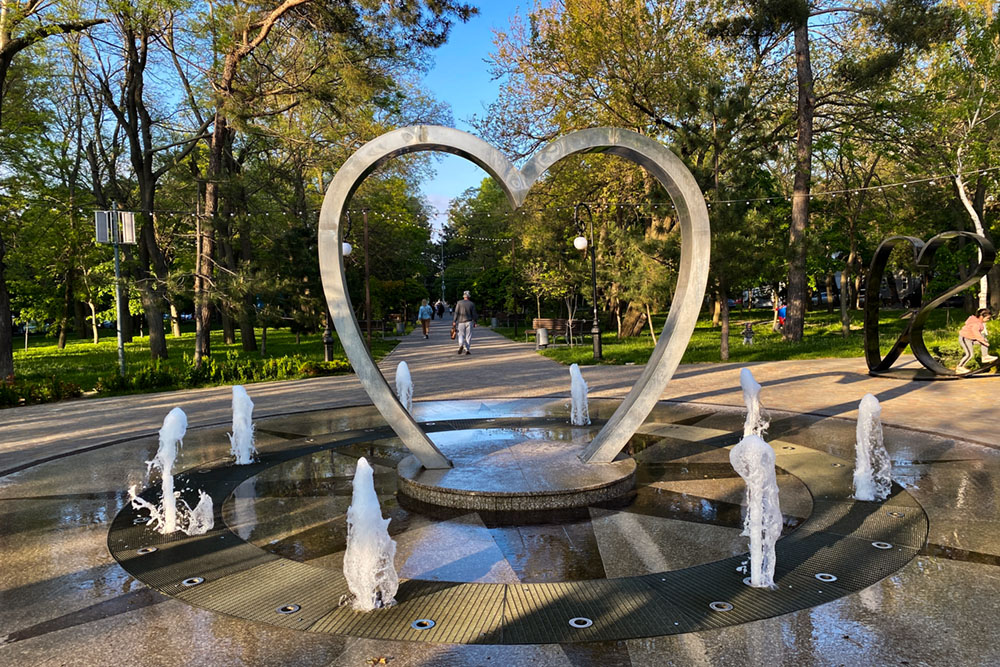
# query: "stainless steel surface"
655,158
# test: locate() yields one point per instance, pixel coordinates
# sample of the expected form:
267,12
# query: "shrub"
20,392
317,368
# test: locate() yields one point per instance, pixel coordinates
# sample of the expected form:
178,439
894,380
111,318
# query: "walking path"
501,367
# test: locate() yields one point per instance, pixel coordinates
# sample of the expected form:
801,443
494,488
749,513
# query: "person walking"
424,315
464,320
440,309
973,334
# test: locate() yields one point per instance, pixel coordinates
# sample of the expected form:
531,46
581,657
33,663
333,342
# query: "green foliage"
318,368
22,392
94,368
232,369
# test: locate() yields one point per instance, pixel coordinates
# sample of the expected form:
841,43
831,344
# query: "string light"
437,213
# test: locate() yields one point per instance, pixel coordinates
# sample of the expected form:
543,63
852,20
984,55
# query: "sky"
461,78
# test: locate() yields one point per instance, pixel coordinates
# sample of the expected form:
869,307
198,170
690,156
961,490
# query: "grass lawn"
82,362
822,338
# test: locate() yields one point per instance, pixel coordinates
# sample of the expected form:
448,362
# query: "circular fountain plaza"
648,573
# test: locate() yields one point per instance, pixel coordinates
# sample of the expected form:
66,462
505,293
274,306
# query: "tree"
23,23
953,121
897,28
241,90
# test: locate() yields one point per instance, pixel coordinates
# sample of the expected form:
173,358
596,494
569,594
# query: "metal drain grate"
830,555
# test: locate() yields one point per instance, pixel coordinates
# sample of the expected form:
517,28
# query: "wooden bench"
557,327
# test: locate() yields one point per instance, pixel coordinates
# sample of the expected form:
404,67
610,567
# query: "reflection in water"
244,508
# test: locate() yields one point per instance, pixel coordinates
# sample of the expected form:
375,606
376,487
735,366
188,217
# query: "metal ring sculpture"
654,157
913,335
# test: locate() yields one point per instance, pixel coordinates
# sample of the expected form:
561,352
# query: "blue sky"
461,77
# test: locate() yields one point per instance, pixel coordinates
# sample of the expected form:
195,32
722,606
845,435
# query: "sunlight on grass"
82,362
822,339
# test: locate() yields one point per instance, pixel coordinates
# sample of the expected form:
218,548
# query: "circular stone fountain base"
525,477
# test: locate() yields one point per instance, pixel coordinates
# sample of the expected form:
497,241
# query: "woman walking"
973,334
424,315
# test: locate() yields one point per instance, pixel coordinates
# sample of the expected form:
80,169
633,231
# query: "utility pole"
115,241
442,270
368,293
513,277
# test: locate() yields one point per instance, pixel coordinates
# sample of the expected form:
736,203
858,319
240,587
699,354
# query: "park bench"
557,327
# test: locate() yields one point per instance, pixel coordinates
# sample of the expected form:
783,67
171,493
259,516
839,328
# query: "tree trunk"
93,322
263,341
649,319
634,321
79,319
204,264
847,293
829,291
795,320
994,286
175,321
149,294
6,321
228,328
64,320
248,337
722,298
775,304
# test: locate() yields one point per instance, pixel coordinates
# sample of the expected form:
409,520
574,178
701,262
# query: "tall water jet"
171,437
368,561
404,386
167,517
872,467
580,411
241,440
756,421
753,460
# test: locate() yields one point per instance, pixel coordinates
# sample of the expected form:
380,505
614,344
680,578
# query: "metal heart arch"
654,157
913,334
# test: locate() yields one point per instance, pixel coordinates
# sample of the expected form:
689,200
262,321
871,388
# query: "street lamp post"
581,243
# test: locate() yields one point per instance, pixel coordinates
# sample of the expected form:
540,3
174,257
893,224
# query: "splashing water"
241,440
201,519
368,561
168,517
753,460
872,467
580,412
757,421
404,386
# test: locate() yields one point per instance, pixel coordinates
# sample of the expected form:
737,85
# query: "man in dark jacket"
464,319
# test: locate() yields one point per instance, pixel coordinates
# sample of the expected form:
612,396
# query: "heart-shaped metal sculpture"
913,335
654,157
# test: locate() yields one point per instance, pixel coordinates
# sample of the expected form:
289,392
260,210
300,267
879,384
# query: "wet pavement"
64,600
